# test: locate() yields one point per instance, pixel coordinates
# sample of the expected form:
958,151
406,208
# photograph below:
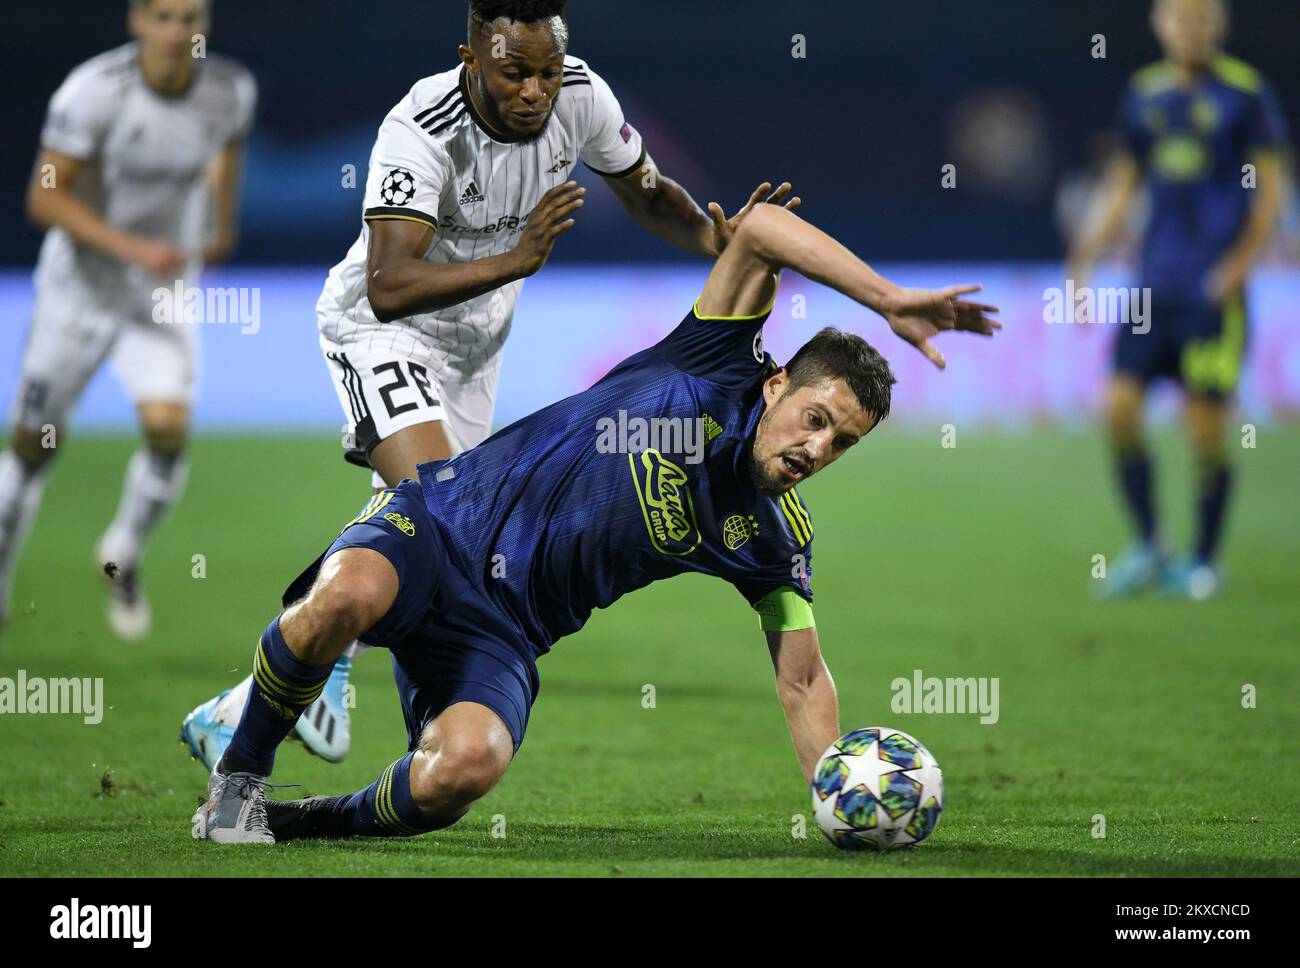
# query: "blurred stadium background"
1007,91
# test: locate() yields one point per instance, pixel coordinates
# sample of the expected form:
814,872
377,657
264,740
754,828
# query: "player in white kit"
468,189
137,181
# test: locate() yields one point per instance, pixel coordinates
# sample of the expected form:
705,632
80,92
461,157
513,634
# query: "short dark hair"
484,12
835,355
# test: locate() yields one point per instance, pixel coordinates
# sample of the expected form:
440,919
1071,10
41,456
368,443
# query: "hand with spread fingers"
916,315
550,219
724,228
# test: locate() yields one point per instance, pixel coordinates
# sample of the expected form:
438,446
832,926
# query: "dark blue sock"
384,809
1135,481
283,686
1214,481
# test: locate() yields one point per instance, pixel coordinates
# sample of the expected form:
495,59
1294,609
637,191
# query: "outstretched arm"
666,210
745,277
807,694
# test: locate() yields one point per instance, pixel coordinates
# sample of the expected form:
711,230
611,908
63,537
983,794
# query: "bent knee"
33,448
342,608
169,443
1207,425
1124,413
460,774
355,589
472,770
166,425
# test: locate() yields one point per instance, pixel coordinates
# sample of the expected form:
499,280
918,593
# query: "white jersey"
147,157
437,162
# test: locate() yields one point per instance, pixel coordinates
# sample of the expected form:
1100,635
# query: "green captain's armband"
784,610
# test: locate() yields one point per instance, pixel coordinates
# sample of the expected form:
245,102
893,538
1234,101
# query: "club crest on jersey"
398,187
401,522
664,492
561,163
471,195
738,529
1205,115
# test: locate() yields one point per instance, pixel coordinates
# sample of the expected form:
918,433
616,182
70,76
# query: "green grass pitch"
971,561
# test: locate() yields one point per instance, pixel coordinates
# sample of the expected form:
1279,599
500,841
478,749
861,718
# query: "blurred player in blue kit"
1205,137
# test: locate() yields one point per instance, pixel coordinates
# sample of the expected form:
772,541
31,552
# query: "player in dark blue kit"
683,458
1204,135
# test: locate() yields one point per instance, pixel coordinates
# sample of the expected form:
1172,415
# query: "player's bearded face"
803,430
520,72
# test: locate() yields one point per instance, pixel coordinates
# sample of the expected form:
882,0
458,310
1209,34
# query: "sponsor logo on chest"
663,490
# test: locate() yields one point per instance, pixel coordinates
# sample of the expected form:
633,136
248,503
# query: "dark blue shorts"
1199,344
449,642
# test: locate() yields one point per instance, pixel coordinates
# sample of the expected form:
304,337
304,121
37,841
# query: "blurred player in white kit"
137,182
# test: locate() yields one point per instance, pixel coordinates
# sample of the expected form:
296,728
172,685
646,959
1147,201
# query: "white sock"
154,482
20,497
232,707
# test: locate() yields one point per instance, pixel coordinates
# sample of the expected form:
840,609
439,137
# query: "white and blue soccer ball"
877,787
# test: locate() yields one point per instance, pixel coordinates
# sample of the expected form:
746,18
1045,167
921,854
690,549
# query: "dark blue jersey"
1192,143
644,476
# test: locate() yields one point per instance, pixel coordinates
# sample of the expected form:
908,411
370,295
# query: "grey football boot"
235,812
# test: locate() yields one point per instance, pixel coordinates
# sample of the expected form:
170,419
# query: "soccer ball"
398,187
877,787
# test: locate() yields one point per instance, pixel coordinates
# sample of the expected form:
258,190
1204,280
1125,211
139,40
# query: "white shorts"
382,391
71,336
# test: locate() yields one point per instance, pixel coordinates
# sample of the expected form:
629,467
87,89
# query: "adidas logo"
711,428
471,194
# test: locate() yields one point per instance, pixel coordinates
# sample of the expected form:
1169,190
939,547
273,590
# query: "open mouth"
794,467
